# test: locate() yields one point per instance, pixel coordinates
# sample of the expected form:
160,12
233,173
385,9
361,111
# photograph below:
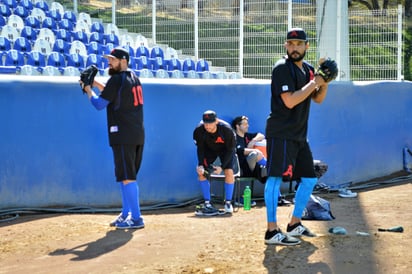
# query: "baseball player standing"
123,99
294,85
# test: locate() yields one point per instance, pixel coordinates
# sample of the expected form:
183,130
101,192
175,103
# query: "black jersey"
125,109
221,142
285,123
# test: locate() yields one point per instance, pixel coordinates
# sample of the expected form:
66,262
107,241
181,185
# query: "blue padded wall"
54,148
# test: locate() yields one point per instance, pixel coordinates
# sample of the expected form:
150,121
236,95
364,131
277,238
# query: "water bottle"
247,197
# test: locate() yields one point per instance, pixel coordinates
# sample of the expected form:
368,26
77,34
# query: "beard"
114,70
296,56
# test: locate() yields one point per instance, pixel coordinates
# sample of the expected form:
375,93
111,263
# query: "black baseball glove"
328,69
87,76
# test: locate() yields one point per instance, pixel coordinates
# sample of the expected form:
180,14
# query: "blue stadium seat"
108,48
41,4
173,64
145,73
64,35
61,46
111,38
95,47
97,27
3,21
56,59
191,74
188,67
5,10
96,37
22,44
156,51
70,15
176,74
158,63
202,65
80,36
132,63
49,23
29,33
205,74
52,71
97,60
129,49
10,3
55,14
71,71
142,51
32,21
27,4
66,24
36,59
14,58
161,73
5,44
142,63
21,11
29,70
75,60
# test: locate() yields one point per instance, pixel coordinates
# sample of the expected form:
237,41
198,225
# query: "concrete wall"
54,149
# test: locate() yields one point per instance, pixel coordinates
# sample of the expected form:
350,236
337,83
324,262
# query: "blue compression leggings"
303,193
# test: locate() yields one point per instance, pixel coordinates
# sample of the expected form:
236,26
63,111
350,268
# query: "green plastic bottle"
247,197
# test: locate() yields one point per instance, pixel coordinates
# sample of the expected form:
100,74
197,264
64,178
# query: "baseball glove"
87,76
328,69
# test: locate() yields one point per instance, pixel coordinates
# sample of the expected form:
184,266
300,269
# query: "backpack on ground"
317,208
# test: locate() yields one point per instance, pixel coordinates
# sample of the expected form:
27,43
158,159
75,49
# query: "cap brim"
109,56
296,39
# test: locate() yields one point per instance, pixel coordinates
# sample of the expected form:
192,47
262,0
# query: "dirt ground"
175,241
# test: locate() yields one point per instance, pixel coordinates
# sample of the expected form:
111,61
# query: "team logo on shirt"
219,140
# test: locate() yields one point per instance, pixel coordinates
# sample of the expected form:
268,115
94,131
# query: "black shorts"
289,159
127,161
226,159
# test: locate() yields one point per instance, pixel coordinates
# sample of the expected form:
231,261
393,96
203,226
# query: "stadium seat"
142,63
48,35
80,36
75,60
66,24
55,14
64,35
94,47
141,41
21,11
81,26
156,51
57,6
5,44
42,4
235,75
202,65
129,49
219,75
38,13
36,59
3,21
142,51
161,73
85,17
108,48
189,66
10,3
15,21
49,23
173,64
205,74
22,44
97,60
14,58
56,59
32,21
71,71
70,15
132,63
61,46
51,71
42,45
96,37
5,10
111,38
27,4
191,74
144,73
10,33
97,27
29,70
158,63
170,53
112,29
29,33
176,74
127,40
78,47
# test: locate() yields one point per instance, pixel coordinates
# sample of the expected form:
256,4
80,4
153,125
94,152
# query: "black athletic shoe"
276,237
298,230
